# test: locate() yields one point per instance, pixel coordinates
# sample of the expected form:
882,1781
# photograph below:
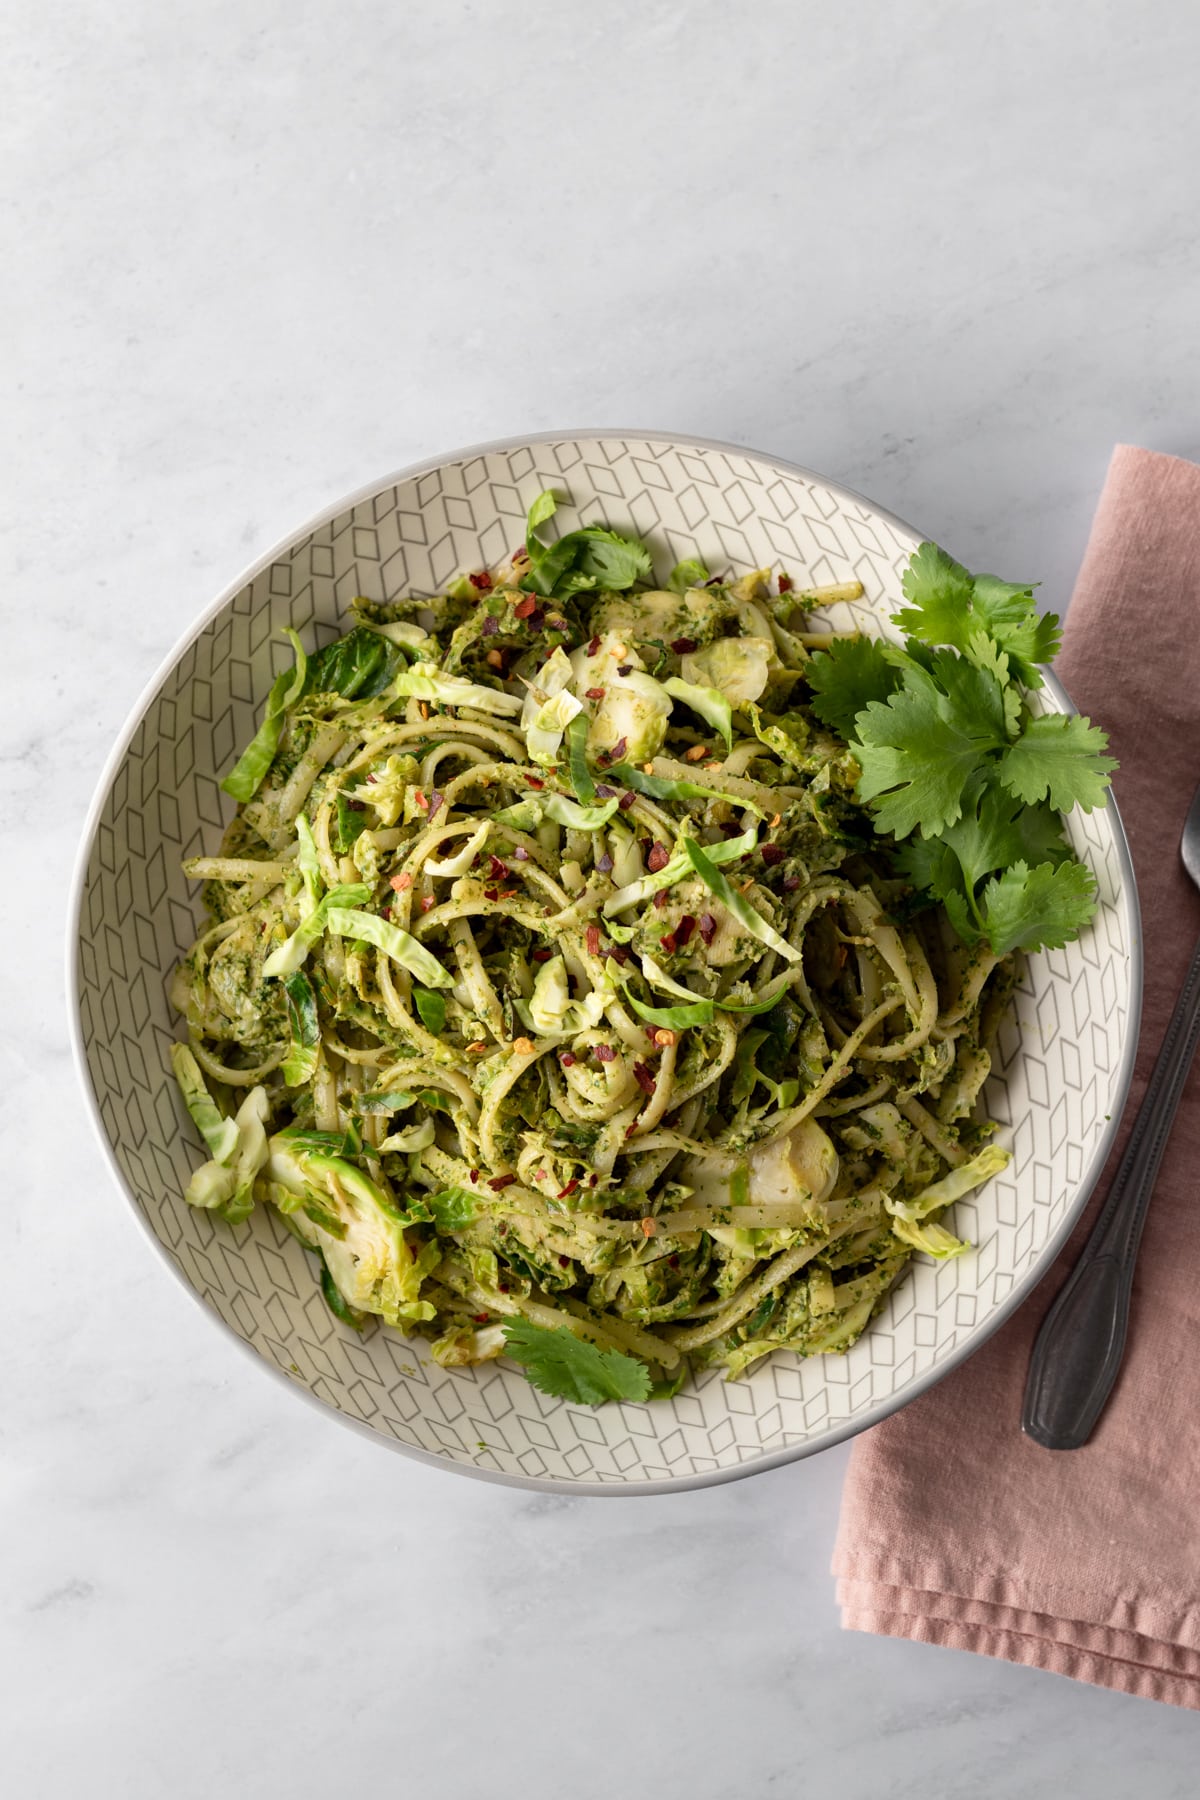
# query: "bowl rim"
545,1483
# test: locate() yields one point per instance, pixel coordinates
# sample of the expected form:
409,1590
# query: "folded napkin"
956,1529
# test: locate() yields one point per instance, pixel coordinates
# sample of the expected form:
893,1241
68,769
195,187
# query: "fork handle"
1078,1350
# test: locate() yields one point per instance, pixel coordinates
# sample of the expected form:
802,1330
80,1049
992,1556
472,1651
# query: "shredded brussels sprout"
583,1013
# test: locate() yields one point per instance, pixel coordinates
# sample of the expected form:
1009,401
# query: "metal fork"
1078,1351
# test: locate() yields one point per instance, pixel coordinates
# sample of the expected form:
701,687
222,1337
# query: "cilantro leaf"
1059,757
560,1363
1009,612
1037,909
918,751
940,590
950,606
846,678
996,830
930,865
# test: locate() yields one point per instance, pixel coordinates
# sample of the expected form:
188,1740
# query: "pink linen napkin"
956,1529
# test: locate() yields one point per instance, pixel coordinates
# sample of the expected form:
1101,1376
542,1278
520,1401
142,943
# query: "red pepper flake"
708,927
661,898
490,627
491,893
569,1189
435,804
683,646
785,584
596,693
772,854
626,801
533,782
658,858
542,955
624,668
482,1318
420,799
684,929
426,903
567,1060
502,1285
482,581
525,607
618,750
497,869
499,1182
790,883
605,1053
401,882
643,1077
592,939
474,1174
668,941
564,1261
372,779
594,645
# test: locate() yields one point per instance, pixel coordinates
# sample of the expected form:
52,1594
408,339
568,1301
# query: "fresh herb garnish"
558,1362
954,763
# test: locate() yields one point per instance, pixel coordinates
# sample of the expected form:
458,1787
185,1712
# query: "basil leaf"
358,666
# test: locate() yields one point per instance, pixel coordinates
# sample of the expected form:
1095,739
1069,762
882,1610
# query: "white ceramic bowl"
1062,1072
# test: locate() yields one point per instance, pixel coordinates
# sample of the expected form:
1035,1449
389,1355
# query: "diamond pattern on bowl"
1061,1070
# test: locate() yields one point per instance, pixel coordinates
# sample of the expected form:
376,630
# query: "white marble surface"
255,255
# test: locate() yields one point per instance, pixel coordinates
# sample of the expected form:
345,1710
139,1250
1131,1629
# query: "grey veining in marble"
255,255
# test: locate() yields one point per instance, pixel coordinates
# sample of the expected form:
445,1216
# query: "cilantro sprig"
954,764
558,1362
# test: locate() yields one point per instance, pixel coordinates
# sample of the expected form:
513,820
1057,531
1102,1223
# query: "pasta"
554,972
